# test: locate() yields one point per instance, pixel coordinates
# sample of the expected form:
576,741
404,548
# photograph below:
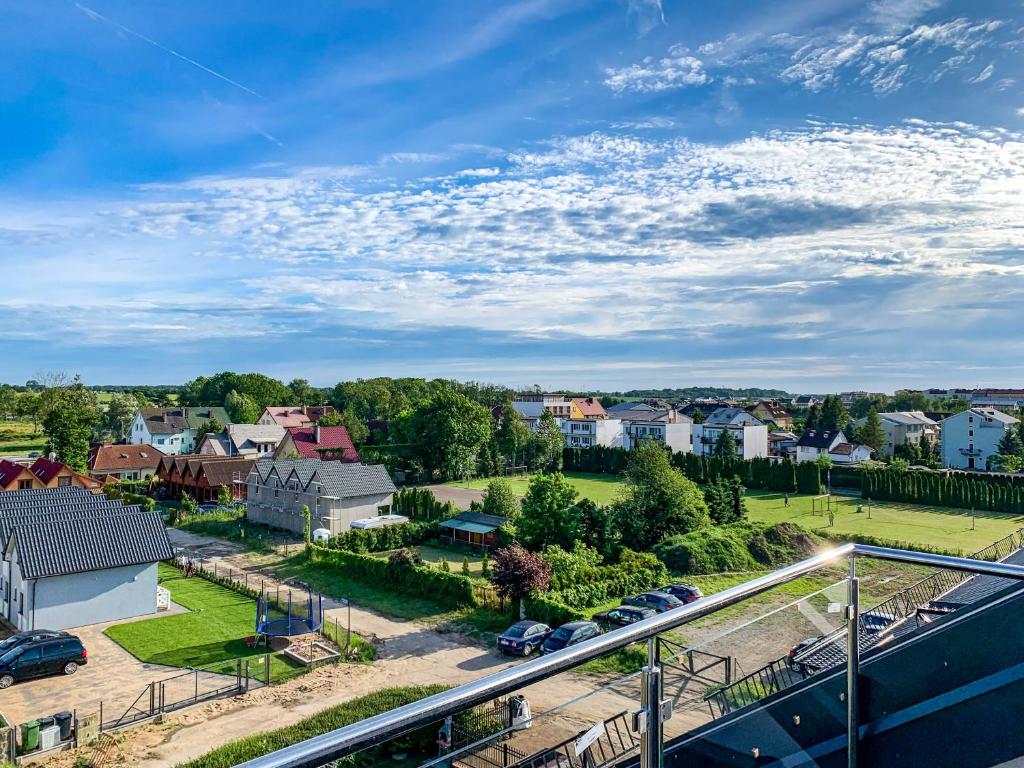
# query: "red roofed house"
124,462
54,474
327,443
587,408
17,477
294,415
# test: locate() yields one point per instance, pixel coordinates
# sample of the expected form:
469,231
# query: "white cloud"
677,70
984,75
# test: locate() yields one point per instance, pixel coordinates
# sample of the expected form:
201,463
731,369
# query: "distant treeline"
699,393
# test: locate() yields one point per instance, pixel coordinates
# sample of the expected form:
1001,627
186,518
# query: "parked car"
659,601
688,593
623,616
570,634
796,650
60,654
20,638
523,637
208,506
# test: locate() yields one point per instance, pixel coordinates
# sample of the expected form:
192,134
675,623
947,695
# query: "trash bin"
63,721
29,736
45,722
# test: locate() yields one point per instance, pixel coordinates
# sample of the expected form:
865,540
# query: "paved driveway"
112,675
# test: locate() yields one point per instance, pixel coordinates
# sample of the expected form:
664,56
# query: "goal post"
823,503
518,471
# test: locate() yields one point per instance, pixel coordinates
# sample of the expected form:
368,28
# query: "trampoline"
289,618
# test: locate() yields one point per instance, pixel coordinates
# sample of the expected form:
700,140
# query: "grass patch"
17,438
214,630
434,554
934,527
602,489
231,525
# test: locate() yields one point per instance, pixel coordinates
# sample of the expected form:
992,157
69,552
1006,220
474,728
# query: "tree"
302,392
518,573
698,416
212,424
725,500
833,414
28,408
500,499
71,415
121,411
188,504
512,435
565,564
224,496
307,526
214,390
450,430
547,444
549,515
813,420
658,499
1010,444
8,401
597,528
241,408
725,446
872,434
356,427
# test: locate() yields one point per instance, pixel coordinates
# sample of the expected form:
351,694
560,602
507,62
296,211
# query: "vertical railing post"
650,707
852,665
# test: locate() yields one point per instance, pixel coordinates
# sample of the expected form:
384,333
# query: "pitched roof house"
173,430
770,411
17,477
294,415
54,474
242,440
202,477
124,462
328,443
587,408
850,453
817,442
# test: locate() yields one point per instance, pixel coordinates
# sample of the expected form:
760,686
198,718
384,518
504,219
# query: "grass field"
434,555
602,489
938,527
16,438
215,628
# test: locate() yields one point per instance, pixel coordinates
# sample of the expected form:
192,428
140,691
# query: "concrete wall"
61,602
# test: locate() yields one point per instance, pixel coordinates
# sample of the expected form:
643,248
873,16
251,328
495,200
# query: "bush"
387,537
421,504
738,547
449,589
551,611
592,585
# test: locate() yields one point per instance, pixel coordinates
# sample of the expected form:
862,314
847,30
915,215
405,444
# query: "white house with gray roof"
749,433
905,428
242,440
336,493
970,439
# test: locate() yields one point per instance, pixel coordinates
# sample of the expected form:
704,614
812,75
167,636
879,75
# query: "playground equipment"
277,618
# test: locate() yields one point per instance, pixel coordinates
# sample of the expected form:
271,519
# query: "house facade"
850,453
906,428
124,462
17,477
771,412
173,430
677,436
294,415
54,474
970,439
587,433
749,434
557,405
586,408
202,477
336,493
327,443
242,440
814,443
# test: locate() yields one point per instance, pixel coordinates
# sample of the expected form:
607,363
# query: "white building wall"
970,439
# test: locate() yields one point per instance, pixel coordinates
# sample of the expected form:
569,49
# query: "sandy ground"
413,654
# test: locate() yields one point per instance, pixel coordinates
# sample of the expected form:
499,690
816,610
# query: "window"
63,481
29,657
53,650
24,485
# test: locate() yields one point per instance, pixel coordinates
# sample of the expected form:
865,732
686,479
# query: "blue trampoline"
291,618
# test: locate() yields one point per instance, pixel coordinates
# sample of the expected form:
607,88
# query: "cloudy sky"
618,193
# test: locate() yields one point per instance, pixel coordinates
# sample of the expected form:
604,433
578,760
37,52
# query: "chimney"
317,433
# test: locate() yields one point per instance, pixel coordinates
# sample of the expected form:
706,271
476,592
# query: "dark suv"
51,654
688,593
659,601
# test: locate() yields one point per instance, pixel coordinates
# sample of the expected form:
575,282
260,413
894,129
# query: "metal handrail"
375,730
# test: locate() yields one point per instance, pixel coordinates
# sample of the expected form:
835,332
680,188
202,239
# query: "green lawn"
603,489
215,629
434,554
17,438
938,527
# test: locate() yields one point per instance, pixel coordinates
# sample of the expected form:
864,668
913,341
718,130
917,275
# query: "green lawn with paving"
936,527
215,628
603,489
18,438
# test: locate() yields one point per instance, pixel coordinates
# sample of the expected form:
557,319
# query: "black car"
20,638
685,592
55,655
623,616
798,649
570,634
659,601
523,637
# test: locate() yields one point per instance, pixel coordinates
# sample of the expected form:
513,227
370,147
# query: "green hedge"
421,504
449,589
552,612
420,743
964,490
387,537
586,587
739,547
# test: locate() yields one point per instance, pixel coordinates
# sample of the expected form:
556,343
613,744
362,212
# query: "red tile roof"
10,472
115,458
589,407
46,470
335,439
297,416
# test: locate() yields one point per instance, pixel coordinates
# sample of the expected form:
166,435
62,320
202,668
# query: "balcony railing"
647,721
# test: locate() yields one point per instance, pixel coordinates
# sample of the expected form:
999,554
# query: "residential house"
970,439
558,405
328,443
336,493
818,442
850,453
906,428
587,408
806,401
704,407
848,398
770,412
242,440
749,434
475,529
782,444
54,474
642,421
587,433
60,568
294,415
203,477
124,462
17,477
172,430
529,412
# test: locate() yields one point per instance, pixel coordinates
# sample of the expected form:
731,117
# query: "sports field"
602,489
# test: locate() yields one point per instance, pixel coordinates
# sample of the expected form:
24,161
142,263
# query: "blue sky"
608,194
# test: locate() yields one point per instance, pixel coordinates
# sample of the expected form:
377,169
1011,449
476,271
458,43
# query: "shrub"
387,537
737,547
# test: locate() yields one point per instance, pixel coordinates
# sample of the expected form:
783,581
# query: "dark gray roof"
8,522
340,479
819,438
481,519
56,548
